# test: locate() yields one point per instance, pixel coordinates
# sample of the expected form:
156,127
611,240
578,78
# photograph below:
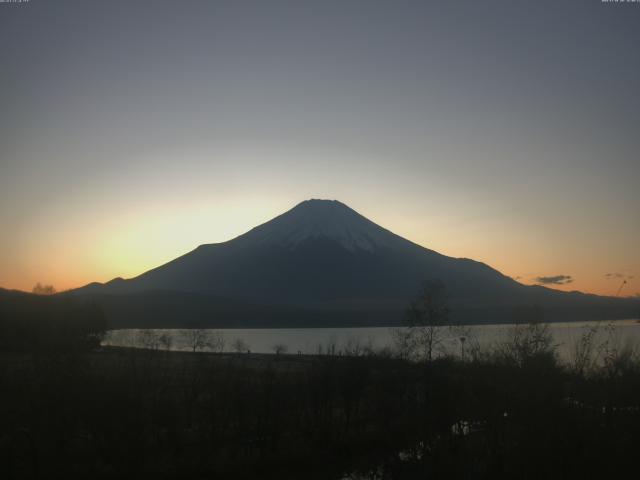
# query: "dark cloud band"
555,280
610,276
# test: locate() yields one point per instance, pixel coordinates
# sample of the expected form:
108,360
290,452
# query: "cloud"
613,276
555,280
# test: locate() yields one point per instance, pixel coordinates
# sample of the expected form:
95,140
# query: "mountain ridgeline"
323,264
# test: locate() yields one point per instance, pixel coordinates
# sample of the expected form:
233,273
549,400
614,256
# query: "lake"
618,334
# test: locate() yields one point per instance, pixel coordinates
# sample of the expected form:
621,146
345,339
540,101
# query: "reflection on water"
358,341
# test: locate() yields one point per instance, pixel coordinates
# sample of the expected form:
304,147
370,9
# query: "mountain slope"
322,256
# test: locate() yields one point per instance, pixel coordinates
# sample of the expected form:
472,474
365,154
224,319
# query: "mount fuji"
323,264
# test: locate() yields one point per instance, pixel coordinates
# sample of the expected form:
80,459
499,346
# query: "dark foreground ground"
141,414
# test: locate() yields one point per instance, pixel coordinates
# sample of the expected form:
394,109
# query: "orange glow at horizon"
79,251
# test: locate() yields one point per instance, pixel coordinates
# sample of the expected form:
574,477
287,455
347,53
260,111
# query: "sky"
504,131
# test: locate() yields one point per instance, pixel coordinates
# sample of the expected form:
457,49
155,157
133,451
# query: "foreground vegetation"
513,412
70,409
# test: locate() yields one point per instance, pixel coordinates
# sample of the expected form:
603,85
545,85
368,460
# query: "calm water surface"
620,333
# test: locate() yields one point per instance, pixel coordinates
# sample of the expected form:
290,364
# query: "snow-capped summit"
321,263
323,219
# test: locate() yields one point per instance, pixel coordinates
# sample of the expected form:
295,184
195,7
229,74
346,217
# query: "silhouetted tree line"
35,323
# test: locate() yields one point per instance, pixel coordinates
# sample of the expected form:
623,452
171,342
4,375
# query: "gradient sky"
503,131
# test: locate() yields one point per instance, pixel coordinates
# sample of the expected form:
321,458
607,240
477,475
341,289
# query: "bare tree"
40,289
425,317
166,341
352,347
240,346
149,339
217,342
584,358
356,347
403,342
533,340
279,348
197,339
617,353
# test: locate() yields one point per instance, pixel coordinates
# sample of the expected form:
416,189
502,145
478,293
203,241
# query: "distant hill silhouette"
322,263
47,323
